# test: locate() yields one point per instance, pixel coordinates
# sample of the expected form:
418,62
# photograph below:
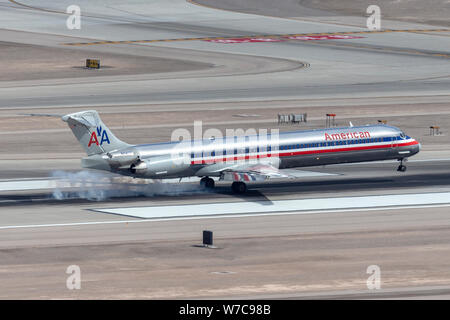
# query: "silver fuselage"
285,150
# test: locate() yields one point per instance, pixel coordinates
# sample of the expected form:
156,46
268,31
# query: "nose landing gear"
401,167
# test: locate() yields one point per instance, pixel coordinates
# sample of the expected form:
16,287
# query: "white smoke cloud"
99,186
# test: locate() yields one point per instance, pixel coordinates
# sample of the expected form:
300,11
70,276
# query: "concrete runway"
275,256
387,64
401,76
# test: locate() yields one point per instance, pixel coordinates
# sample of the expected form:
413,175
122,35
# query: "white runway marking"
74,224
40,184
282,206
305,174
20,185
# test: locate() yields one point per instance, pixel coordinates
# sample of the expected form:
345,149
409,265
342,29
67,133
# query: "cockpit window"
402,135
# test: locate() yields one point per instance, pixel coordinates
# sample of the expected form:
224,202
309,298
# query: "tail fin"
92,133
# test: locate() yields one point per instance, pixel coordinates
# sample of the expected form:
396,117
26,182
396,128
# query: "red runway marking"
245,40
327,37
281,39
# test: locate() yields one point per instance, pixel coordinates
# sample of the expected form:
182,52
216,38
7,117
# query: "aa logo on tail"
100,133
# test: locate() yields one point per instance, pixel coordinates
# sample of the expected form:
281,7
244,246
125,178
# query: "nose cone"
415,148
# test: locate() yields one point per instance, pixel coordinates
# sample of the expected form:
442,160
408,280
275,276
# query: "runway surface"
377,65
407,242
311,237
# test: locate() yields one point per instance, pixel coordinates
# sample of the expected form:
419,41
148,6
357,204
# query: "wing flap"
248,173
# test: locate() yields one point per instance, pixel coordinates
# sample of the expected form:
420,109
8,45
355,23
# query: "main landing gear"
207,183
401,167
238,187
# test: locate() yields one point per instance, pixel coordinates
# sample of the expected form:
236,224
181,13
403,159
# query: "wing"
252,172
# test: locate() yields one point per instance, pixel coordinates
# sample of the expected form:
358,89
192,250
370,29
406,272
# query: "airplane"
239,159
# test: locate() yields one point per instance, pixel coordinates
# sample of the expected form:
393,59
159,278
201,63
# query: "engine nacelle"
161,166
124,157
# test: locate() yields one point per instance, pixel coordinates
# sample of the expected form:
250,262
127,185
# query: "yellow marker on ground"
92,63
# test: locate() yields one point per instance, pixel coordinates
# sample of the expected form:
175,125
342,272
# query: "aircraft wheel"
238,187
401,168
207,183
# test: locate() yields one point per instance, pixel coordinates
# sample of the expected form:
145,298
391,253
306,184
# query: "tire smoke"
99,186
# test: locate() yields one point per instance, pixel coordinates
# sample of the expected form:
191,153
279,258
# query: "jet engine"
161,166
124,157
